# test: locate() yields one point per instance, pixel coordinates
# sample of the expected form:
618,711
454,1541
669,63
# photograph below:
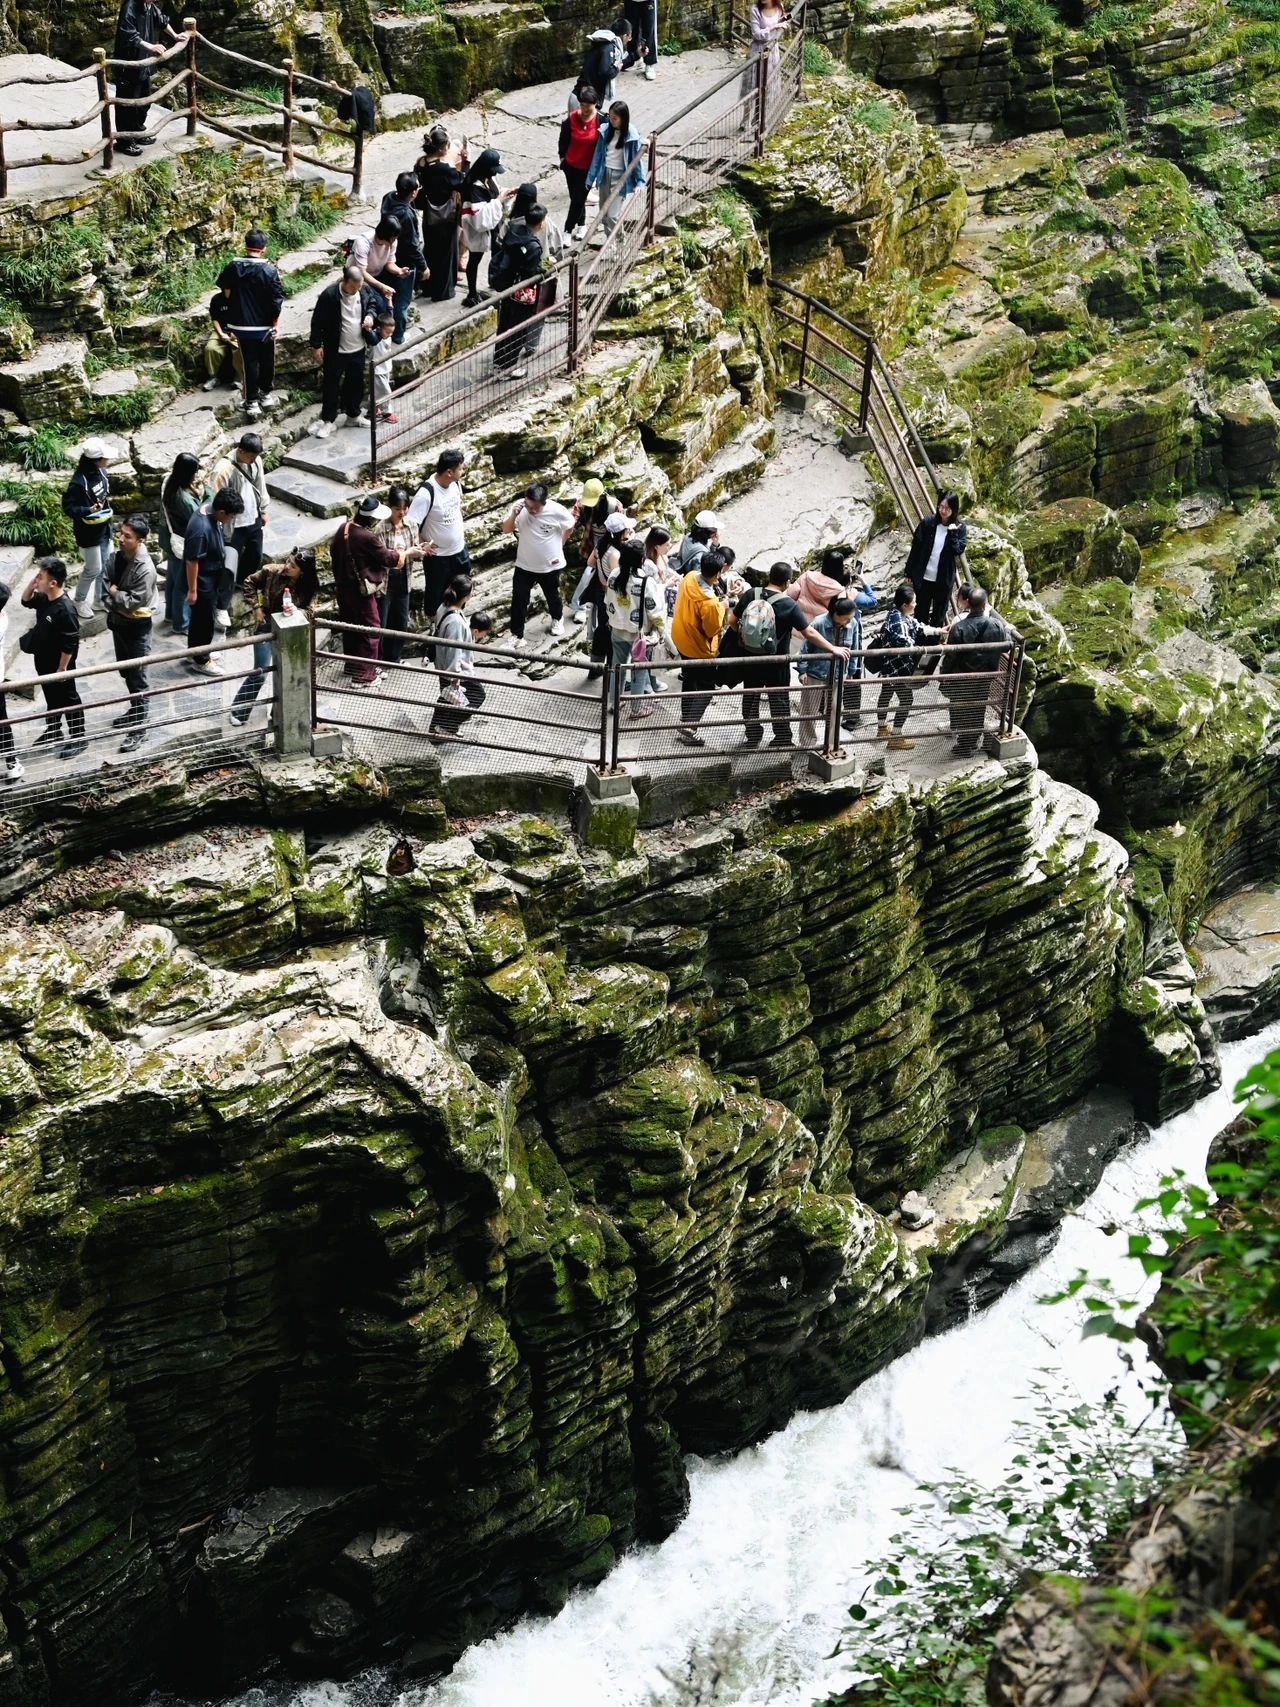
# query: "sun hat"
372,509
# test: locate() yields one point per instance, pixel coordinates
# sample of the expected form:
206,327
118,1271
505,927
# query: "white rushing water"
777,1539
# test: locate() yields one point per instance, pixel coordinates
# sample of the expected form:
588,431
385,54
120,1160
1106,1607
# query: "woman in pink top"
816,588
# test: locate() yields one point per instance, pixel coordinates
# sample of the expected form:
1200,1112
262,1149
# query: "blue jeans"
400,304
639,680
176,608
249,689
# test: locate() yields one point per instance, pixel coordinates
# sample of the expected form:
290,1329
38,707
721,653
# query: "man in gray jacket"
130,595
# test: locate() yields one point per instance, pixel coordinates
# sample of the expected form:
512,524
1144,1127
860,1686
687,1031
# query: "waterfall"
772,1551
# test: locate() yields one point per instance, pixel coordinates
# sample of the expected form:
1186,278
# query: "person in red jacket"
578,137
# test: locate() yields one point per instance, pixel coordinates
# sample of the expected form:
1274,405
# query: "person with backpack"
130,597
87,500
440,200
764,620
255,296
437,511
461,695
400,204
13,771
695,633
519,263
603,60
966,678
579,134
893,656
481,215
616,167
937,546
205,550
637,612
701,537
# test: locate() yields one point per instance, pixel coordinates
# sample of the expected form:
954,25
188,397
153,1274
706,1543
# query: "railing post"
373,421
292,696
804,338
357,164
835,703
621,678
575,309
606,689
108,147
193,96
864,404
651,191
762,95
4,170
286,141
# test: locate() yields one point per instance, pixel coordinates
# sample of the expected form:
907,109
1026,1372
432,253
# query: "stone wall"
376,1245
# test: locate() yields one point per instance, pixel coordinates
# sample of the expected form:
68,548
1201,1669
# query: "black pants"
63,697
438,571
851,713
523,581
200,628
343,384
6,734
512,339
966,708
932,601
131,637
642,15
697,683
775,680
906,697
258,354
130,86
248,543
576,178
474,258
440,246
393,612
448,719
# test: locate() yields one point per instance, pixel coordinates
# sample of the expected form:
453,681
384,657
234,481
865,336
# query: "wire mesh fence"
65,730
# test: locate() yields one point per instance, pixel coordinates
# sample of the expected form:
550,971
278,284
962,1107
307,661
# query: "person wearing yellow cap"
597,507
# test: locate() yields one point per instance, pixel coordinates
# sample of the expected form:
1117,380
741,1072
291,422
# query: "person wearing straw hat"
139,28
87,500
360,564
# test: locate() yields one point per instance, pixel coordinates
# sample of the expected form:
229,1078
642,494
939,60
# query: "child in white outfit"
382,352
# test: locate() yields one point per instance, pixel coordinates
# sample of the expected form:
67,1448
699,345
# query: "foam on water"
772,1551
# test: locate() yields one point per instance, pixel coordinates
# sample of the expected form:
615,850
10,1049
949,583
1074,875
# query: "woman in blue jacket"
842,626
617,162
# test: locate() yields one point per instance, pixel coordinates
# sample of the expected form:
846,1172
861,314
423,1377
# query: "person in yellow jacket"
695,633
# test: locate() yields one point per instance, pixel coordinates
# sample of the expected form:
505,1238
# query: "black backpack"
510,262
599,67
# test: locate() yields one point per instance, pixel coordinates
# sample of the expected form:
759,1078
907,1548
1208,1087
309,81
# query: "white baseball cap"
618,523
96,451
707,519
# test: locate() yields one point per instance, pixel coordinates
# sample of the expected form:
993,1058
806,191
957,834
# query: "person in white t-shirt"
437,511
541,528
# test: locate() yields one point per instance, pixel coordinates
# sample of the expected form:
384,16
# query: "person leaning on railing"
695,633
895,659
266,588
139,28
966,678
616,168
360,564
205,548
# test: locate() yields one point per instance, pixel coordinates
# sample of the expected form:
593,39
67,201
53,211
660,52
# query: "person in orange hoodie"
695,634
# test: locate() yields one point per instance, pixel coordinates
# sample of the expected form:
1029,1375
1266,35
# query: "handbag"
526,296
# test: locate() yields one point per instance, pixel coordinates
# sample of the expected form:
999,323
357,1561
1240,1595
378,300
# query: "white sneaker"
360,420
650,72
209,385
13,771
557,629
313,430
519,643
85,611
325,429
222,619
519,372
579,616
254,411
205,667
271,399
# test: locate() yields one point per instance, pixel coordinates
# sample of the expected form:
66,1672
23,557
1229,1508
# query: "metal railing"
83,734
641,714
683,160
189,80
850,373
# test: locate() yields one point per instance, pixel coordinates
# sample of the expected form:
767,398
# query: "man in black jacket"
398,204
521,259
54,644
139,30
966,678
936,548
341,324
255,297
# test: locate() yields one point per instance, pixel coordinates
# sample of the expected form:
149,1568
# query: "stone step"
289,527
345,457
316,494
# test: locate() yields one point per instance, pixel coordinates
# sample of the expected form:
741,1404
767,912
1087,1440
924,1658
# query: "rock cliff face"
376,1245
